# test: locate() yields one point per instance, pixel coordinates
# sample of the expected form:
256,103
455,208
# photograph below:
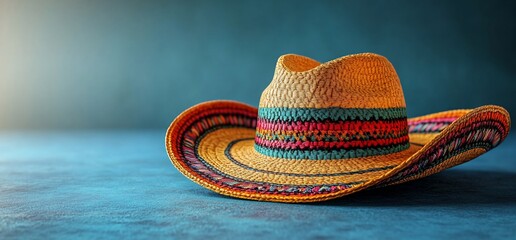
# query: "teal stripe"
330,154
333,113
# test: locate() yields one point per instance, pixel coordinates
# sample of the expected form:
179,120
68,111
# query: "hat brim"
212,143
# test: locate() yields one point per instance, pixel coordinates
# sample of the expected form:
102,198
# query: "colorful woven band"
330,133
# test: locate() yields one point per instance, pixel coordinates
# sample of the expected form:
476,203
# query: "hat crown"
364,80
349,107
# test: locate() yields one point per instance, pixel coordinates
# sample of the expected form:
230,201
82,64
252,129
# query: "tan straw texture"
323,131
301,82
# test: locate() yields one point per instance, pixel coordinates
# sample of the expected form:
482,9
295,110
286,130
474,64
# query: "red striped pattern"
298,126
352,134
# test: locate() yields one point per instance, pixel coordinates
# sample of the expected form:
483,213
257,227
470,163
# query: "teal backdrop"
138,64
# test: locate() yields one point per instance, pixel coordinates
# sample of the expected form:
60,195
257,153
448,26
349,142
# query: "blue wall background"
137,64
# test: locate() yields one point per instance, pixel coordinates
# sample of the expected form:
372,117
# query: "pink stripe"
300,126
432,120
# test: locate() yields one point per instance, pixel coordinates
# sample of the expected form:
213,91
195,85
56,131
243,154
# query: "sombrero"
323,131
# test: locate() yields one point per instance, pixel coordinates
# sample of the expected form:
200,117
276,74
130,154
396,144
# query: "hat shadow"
449,188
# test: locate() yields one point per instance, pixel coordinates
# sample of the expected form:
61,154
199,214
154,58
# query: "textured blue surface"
113,184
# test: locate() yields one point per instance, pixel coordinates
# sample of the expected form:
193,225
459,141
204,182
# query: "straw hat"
323,131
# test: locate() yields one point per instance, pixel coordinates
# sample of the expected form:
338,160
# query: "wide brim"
212,143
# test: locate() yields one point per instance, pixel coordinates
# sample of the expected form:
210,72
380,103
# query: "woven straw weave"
300,82
323,131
